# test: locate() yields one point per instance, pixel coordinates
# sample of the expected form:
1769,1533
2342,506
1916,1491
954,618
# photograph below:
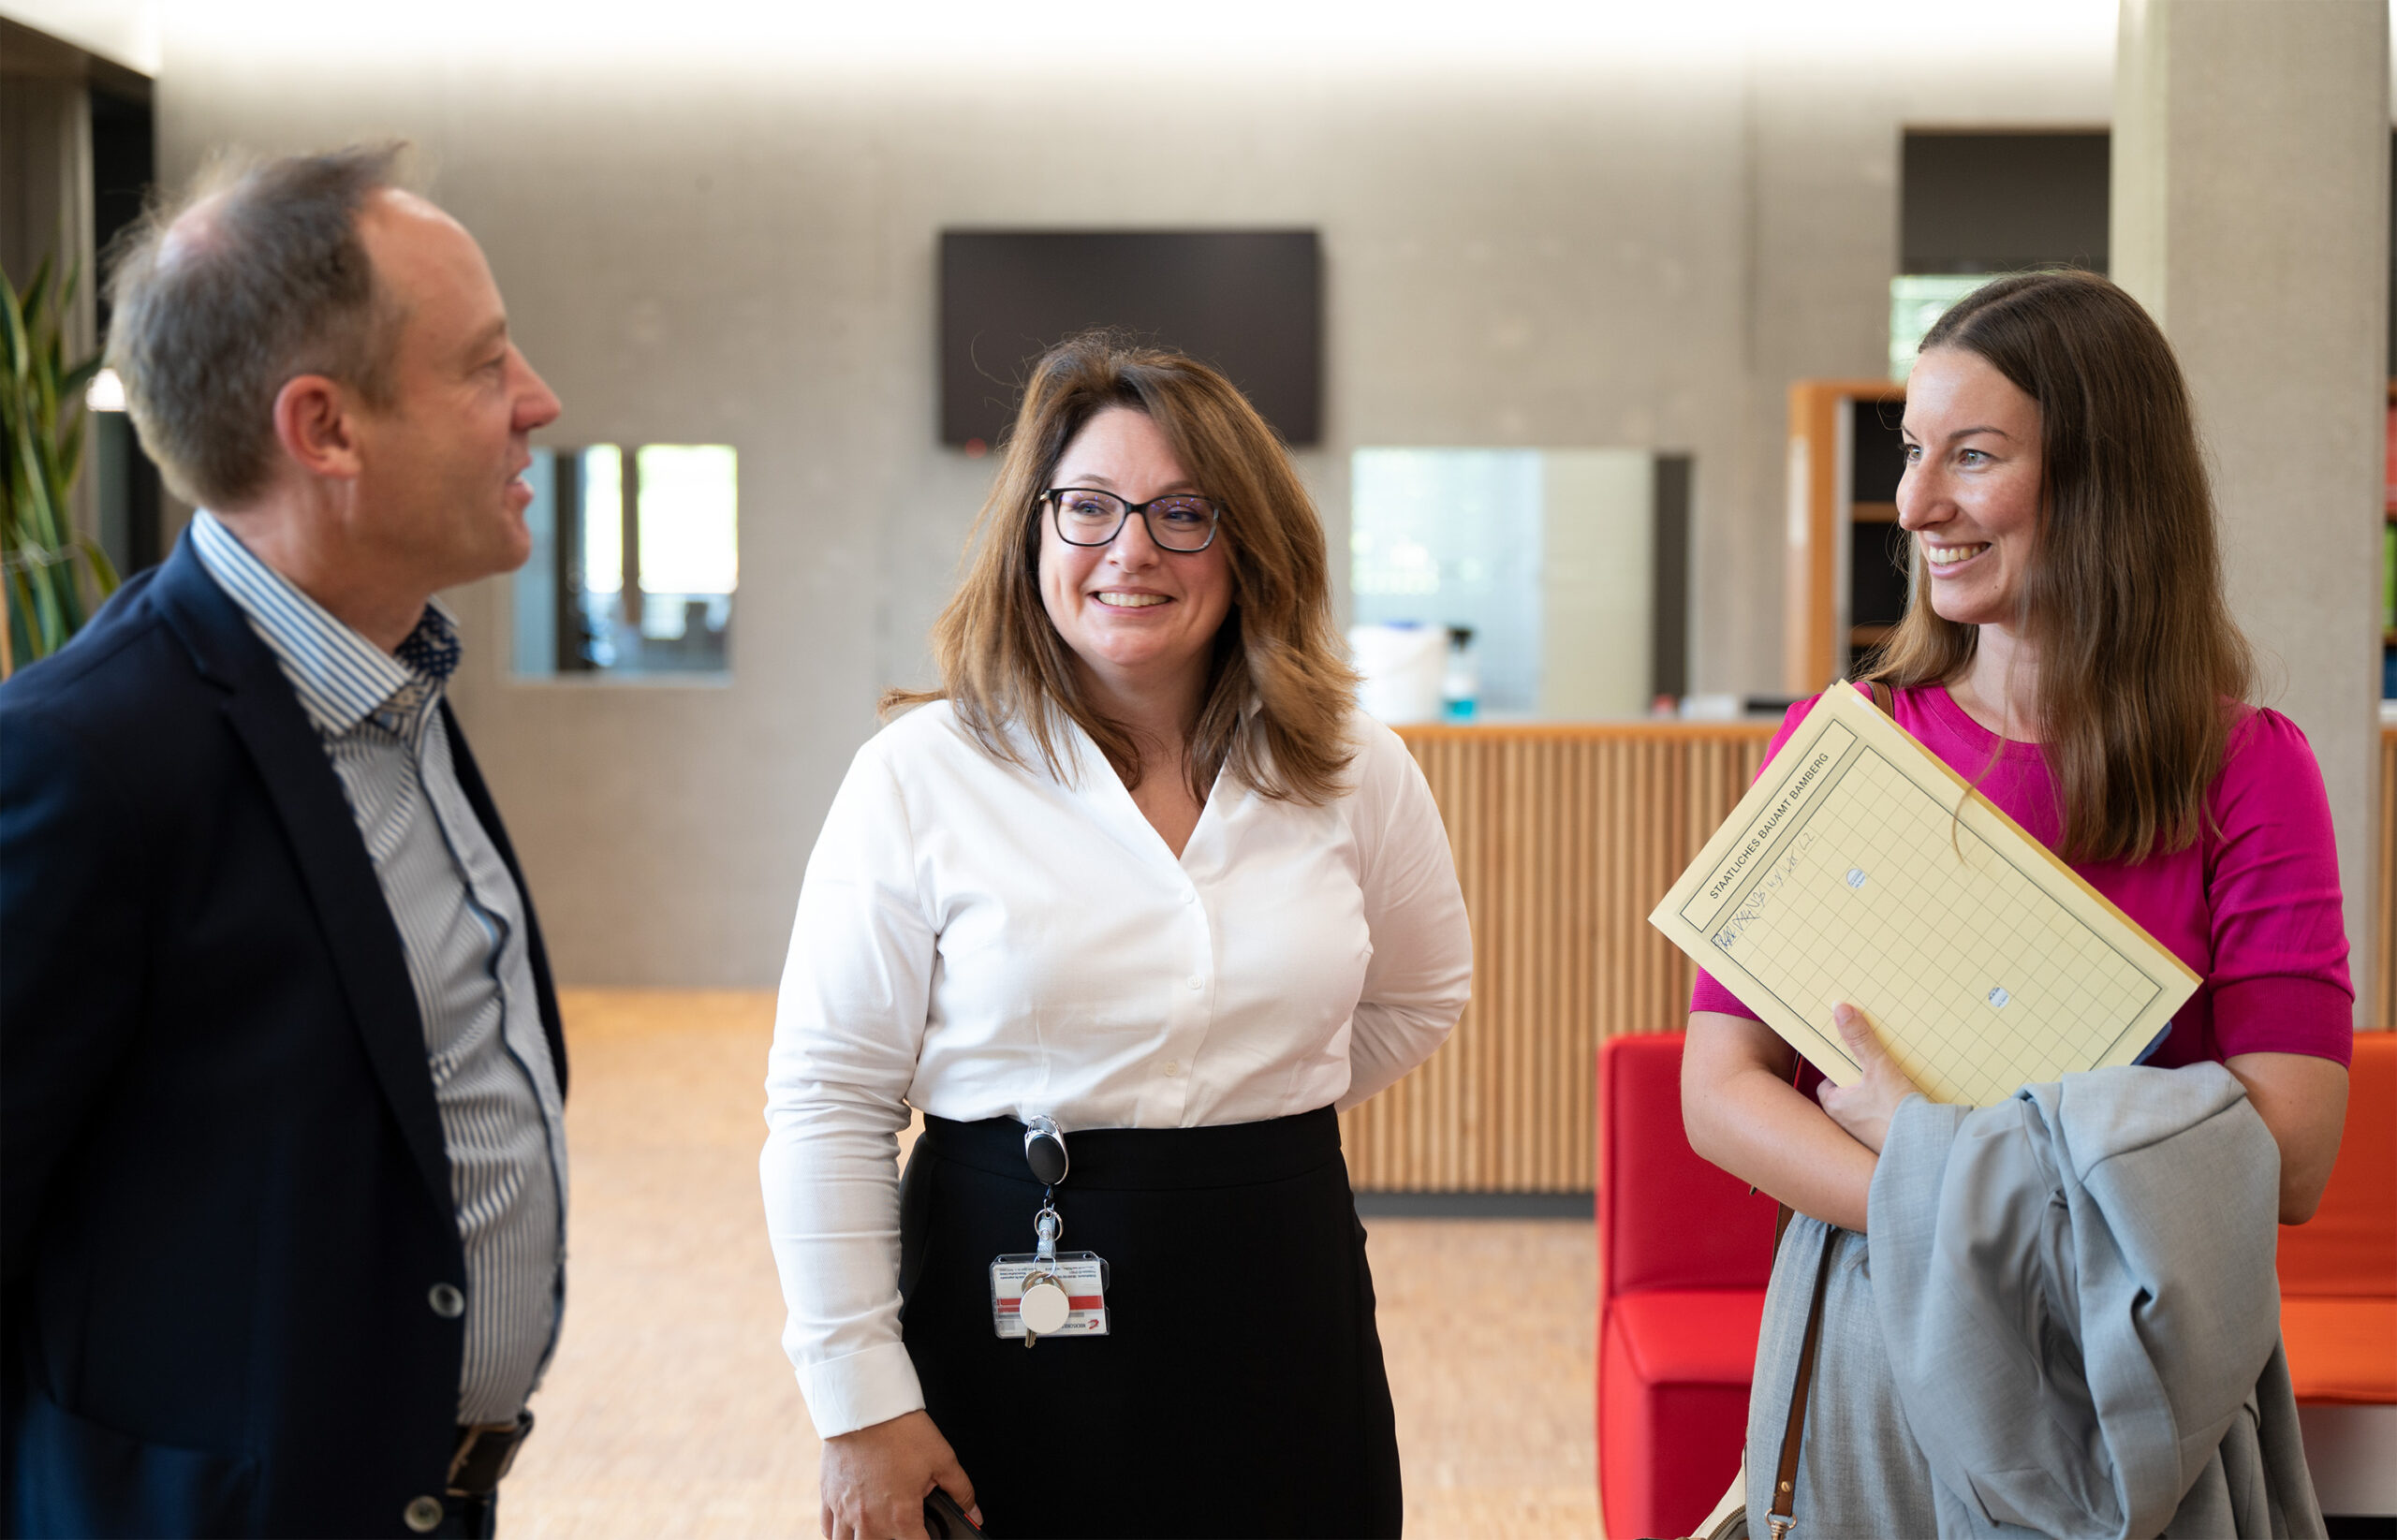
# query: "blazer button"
449,1302
423,1514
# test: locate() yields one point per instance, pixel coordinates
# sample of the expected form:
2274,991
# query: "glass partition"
635,559
1531,574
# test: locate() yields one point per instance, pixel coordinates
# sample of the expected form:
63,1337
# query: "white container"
1710,708
1403,665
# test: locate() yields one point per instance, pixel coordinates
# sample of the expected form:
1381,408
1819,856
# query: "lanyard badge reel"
1045,1292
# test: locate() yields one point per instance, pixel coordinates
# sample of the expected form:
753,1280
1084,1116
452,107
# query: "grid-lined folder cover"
1860,869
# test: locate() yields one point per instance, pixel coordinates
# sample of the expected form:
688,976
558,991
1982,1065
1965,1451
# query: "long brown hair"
2140,668
1002,663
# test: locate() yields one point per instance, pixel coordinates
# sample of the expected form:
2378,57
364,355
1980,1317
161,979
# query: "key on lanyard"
1046,1305
1044,1293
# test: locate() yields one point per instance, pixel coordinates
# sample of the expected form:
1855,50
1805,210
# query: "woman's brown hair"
2140,668
1004,667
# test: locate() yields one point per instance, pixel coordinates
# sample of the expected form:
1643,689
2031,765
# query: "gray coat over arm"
2073,1324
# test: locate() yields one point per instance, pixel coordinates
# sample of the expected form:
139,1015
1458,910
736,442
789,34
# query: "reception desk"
1564,836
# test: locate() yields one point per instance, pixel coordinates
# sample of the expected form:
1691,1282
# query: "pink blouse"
2253,909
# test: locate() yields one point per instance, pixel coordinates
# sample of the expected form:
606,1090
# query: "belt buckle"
486,1453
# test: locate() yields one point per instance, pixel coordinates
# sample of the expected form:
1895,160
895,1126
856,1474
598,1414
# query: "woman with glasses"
1128,909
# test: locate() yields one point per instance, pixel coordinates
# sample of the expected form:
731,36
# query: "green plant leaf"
104,572
12,315
29,304
43,428
78,379
48,623
22,640
70,456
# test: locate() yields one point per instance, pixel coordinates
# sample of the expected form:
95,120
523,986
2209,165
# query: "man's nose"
536,406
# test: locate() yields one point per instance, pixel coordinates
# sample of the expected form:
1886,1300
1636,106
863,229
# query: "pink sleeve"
2280,940
1708,995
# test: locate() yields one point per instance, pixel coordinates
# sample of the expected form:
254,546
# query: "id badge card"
1081,1275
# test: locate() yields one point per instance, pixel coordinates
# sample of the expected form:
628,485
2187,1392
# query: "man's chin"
512,546
492,558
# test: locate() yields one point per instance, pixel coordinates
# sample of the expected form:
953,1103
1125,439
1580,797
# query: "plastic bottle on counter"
1460,682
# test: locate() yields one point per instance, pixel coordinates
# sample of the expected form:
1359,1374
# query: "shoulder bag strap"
1782,1515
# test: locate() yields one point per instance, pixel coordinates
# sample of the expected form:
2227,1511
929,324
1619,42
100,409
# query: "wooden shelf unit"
1843,481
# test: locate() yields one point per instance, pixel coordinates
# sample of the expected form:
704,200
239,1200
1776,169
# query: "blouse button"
1172,1068
1197,983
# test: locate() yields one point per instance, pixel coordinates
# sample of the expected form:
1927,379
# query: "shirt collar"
1082,756
341,678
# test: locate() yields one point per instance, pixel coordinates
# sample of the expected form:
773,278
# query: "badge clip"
1047,1293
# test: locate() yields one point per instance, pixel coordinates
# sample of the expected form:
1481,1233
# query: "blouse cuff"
846,1394
2282,1013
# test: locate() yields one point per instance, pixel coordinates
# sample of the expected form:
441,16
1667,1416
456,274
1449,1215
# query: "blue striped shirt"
462,924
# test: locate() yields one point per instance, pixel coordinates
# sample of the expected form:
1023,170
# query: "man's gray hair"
256,275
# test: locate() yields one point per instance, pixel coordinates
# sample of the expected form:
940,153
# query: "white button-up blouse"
978,940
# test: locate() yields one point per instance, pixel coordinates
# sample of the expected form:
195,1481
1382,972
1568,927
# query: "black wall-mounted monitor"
2003,202
1249,302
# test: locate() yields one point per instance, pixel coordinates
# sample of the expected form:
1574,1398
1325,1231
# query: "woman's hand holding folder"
1864,1109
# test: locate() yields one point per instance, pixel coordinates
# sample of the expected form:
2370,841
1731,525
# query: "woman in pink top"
2067,648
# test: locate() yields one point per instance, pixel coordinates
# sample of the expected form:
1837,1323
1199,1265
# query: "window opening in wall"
1974,205
1917,301
1517,584
635,561
125,483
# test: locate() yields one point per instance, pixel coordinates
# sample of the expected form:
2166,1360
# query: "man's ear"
313,421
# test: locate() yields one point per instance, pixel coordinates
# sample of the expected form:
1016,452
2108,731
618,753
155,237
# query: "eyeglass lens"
1175,523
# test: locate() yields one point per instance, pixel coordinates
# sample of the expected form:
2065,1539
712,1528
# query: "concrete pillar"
2251,217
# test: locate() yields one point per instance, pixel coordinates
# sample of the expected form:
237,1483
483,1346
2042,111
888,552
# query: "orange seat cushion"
2341,1349
2348,1249
2338,1270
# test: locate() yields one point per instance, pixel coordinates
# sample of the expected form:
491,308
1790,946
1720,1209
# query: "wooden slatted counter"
1564,835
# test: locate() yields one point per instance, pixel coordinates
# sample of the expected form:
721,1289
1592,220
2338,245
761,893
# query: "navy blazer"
224,1195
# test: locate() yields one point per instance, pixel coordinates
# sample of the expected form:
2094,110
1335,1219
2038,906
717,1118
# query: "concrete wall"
2251,168
1607,249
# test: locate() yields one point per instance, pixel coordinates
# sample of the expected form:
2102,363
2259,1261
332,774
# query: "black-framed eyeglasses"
1179,522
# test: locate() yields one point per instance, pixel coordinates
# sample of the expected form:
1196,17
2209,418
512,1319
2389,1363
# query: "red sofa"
1683,1253
1684,1250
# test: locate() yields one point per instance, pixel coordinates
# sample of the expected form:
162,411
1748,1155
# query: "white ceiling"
1313,34
124,32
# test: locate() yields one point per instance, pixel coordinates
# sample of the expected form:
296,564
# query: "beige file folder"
1860,869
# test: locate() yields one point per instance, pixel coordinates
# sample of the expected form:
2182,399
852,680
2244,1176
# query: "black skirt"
1239,1390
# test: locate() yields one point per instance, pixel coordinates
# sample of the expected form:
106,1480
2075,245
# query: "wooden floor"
670,1410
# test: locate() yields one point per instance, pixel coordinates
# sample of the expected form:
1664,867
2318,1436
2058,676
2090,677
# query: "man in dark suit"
284,1163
